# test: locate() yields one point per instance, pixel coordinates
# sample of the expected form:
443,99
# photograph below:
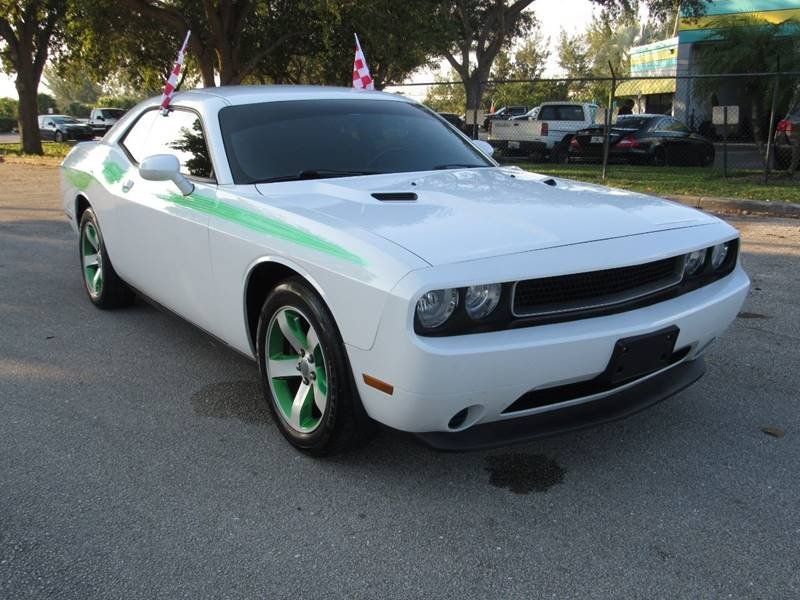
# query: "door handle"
127,185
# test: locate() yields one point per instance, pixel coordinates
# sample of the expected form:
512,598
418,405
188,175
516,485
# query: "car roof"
643,116
250,94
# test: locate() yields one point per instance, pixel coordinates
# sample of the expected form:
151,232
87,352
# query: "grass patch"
51,149
680,181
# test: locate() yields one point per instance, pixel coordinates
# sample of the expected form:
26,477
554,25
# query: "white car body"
370,261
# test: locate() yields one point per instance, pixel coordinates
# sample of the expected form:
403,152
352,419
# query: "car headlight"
436,306
481,300
718,255
694,262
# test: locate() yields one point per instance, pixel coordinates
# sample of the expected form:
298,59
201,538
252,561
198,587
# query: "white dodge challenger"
380,267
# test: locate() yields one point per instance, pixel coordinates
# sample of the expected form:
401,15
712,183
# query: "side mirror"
100,118
165,167
484,147
50,124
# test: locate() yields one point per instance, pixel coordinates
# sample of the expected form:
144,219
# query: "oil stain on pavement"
524,473
241,400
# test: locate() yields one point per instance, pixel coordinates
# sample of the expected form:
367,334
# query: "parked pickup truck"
543,134
102,119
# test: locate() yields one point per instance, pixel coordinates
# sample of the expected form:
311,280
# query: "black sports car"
645,139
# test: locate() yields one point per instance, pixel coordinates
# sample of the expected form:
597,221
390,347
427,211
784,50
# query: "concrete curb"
741,207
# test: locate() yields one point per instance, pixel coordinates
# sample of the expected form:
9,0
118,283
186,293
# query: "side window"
548,113
677,126
179,133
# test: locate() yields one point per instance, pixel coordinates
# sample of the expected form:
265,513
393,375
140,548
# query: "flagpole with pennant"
362,80
171,85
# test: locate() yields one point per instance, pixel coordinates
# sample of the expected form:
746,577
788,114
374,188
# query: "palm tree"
749,44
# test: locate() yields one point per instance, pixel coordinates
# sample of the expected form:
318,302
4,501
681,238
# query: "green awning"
644,87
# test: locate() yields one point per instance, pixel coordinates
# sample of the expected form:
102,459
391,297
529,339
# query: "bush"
7,124
79,109
124,102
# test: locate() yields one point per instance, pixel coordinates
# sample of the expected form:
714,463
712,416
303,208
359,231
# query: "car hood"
468,214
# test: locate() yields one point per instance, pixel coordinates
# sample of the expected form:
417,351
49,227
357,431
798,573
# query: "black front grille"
585,291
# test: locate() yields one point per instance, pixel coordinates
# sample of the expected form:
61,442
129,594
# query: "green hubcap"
92,259
297,371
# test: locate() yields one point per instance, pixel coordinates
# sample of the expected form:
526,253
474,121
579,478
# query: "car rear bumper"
521,147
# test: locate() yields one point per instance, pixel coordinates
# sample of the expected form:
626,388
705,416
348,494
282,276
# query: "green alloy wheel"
298,374
308,382
101,282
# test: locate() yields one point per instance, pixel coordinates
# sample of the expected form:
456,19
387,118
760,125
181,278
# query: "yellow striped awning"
644,87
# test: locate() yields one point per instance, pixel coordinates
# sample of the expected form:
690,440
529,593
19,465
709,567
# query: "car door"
158,238
46,128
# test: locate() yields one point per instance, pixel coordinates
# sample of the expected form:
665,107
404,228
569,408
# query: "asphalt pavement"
137,461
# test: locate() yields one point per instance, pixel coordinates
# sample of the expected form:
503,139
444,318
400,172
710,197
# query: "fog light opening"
466,417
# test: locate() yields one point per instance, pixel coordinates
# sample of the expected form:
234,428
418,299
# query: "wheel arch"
263,275
81,204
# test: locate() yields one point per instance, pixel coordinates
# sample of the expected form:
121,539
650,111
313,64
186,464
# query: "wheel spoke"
283,366
320,398
300,399
290,328
97,280
91,237
90,260
312,341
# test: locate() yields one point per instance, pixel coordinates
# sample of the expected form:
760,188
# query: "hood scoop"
395,196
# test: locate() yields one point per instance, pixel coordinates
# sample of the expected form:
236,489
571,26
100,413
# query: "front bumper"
617,405
485,373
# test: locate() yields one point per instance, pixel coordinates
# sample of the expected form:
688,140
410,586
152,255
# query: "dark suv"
787,134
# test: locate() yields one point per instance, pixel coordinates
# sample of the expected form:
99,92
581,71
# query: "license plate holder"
640,355
513,145
596,139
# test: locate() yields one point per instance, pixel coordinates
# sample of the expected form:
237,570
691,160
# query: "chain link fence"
729,123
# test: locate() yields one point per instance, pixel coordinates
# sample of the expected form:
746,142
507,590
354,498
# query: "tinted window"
65,120
634,122
561,113
302,138
674,125
112,113
179,133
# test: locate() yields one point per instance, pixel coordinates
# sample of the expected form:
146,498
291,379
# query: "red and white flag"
174,76
362,80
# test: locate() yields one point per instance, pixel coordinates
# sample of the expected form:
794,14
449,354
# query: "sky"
553,15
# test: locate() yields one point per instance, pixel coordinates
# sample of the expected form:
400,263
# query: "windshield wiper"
316,174
457,166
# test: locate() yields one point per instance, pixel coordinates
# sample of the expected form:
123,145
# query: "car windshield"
310,139
65,120
112,113
633,122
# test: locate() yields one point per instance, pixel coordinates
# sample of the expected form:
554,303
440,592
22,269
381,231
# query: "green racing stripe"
113,173
260,223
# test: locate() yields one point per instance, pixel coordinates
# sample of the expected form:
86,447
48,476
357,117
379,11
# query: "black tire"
344,424
560,153
783,158
112,291
706,156
659,157
59,137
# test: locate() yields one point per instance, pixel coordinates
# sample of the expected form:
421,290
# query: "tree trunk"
27,88
474,86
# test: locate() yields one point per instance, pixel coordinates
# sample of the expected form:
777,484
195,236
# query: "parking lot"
137,461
